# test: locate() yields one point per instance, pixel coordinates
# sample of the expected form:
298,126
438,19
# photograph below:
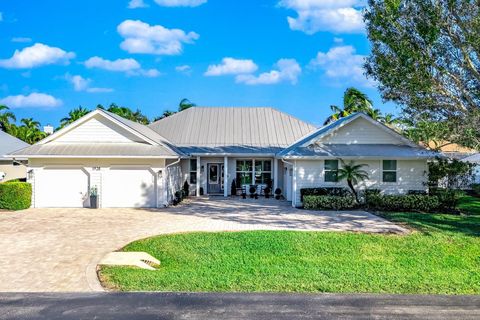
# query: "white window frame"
328,170
390,170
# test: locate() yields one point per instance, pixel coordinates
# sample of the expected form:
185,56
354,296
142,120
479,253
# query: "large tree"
426,58
6,117
73,115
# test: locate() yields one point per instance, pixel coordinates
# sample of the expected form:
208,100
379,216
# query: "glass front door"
215,178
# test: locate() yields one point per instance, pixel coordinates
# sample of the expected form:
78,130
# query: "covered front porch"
228,175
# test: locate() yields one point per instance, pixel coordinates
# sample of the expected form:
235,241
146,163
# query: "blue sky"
296,55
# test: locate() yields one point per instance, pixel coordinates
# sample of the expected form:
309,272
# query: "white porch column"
294,193
225,176
275,175
198,177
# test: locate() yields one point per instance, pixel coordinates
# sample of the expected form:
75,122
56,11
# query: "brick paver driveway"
58,249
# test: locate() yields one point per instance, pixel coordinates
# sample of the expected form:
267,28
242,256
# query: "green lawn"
441,256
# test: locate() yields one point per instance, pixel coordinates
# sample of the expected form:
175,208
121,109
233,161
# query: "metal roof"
231,129
474,158
94,150
298,146
361,151
10,143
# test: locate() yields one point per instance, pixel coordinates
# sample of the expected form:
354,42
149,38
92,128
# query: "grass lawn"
442,256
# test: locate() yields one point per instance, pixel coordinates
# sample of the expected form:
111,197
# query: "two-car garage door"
68,187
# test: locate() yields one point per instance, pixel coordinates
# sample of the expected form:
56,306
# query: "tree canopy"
426,58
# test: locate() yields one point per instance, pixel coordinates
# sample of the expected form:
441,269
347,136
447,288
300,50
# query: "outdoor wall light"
160,173
30,174
96,168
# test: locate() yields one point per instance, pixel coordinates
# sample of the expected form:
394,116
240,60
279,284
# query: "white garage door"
128,188
62,188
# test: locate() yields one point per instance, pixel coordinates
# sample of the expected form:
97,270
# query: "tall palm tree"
185,104
353,101
127,113
5,117
74,115
30,123
353,173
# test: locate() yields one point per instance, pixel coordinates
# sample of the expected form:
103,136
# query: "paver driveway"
58,249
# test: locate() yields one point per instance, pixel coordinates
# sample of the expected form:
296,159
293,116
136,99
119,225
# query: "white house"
9,169
133,165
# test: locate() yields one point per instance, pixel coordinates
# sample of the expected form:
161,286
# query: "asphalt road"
120,306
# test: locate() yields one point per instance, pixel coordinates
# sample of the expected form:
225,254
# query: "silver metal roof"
474,158
95,150
231,129
361,151
9,144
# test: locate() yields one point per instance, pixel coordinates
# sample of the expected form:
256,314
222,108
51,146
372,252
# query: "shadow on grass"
429,223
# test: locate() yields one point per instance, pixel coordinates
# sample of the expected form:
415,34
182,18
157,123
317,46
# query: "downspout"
166,203
294,195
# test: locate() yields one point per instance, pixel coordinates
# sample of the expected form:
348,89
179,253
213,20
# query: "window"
244,172
331,170
389,171
193,171
263,171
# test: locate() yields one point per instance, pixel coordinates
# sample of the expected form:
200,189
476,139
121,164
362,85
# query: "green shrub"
413,202
448,198
476,188
329,202
15,195
330,191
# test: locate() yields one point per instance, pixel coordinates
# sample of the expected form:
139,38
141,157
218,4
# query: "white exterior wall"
360,131
97,129
12,172
96,168
411,175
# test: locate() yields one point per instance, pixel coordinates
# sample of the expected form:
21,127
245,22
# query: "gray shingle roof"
95,150
9,144
361,150
231,129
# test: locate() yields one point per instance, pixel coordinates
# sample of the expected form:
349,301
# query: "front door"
215,178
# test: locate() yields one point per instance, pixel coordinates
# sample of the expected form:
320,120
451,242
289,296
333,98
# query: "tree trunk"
350,184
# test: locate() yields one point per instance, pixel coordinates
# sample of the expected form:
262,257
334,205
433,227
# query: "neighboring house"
9,169
475,159
133,165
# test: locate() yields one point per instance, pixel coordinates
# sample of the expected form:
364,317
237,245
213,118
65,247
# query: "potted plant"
267,191
94,197
233,188
253,191
278,193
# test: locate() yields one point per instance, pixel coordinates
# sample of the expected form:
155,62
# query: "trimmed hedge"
329,191
15,195
423,203
448,198
329,202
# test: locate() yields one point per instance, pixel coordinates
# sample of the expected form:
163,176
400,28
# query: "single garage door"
128,188
61,188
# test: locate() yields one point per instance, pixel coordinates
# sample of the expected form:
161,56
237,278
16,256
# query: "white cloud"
134,4
33,100
129,66
183,68
21,39
342,64
286,70
121,65
37,55
140,37
231,66
339,16
81,84
180,3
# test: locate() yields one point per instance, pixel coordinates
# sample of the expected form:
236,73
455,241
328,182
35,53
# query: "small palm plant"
353,173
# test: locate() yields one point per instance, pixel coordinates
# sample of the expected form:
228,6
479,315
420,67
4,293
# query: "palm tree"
73,115
127,113
375,114
185,104
166,113
353,101
30,123
28,132
5,117
353,173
